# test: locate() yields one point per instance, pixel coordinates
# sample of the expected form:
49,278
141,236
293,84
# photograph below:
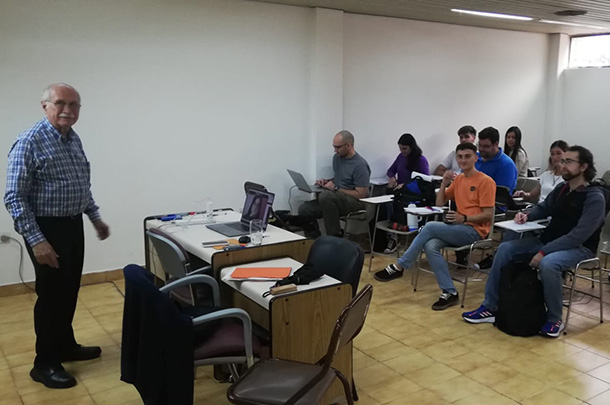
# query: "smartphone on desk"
215,243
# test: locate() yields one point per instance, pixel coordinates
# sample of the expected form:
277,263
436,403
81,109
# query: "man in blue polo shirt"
494,162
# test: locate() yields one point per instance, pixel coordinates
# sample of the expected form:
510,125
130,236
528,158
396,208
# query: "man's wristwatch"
465,218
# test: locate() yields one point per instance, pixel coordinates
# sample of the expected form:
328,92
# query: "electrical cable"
290,197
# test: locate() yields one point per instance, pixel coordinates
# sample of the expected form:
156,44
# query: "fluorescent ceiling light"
493,15
572,24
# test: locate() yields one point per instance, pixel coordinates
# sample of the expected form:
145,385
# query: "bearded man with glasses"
47,190
577,210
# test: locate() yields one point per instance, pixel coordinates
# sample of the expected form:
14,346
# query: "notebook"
257,206
260,273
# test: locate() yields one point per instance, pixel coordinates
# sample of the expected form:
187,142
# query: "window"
590,51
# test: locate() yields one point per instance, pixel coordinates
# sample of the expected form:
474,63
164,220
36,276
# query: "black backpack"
419,192
521,309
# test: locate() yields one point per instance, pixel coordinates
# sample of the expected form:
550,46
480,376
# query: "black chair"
276,381
338,258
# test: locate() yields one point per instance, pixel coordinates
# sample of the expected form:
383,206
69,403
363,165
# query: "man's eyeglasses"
568,161
339,146
62,104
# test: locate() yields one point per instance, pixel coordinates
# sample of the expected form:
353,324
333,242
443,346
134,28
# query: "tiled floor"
407,354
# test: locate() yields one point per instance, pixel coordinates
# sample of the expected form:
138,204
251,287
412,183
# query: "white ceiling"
598,12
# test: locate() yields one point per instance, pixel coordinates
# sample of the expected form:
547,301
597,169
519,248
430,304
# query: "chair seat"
275,381
480,244
226,340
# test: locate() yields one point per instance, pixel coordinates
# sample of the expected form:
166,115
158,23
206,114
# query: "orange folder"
275,273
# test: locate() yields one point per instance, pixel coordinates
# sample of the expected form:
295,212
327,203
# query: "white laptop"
302,185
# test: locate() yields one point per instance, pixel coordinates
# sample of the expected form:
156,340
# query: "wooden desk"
301,323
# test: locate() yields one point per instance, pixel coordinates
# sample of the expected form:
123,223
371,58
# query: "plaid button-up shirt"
47,176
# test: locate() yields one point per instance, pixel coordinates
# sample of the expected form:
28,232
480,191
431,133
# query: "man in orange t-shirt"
474,194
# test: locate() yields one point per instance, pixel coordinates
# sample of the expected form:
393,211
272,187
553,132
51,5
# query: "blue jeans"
549,271
433,237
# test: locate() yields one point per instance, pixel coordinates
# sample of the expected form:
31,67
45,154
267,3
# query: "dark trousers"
57,289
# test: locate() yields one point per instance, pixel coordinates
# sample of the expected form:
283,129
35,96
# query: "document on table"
259,273
515,227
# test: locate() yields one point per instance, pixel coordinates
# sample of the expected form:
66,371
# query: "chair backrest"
348,326
173,257
249,185
338,258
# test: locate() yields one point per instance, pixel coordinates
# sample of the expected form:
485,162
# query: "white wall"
182,100
430,79
585,118
187,100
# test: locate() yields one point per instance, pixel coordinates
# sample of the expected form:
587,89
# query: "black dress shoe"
79,353
52,376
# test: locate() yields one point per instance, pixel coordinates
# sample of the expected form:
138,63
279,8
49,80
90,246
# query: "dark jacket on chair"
157,344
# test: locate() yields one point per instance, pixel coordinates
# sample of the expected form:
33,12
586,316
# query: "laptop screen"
257,206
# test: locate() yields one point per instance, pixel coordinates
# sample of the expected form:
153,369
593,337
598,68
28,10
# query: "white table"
192,235
511,225
254,290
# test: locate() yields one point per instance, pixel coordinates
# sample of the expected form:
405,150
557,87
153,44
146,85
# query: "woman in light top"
409,160
550,178
513,148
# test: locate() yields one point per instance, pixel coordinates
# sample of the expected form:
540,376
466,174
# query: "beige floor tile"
553,373
371,340
520,387
491,374
423,340
389,351
365,399
584,360
602,373
23,381
467,362
584,387
601,399
434,374
374,375
362,360
85,400
601,348
103,383
122,395
486,397
393,389
526,360
552,397
20,359
421,397
457,388
444,350
409,363
50,396
555,349
17,342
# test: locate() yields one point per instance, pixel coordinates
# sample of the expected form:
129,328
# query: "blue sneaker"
480,315
552,329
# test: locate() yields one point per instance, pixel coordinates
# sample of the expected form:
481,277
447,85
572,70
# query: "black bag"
417,191
521,309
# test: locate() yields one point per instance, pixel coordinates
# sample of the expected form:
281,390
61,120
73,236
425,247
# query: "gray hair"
46,93
346,136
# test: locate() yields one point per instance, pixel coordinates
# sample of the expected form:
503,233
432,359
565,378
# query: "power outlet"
5,238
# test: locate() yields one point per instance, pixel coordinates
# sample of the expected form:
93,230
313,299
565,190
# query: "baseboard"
88,278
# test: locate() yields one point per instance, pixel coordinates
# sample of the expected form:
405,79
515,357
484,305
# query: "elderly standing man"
47,190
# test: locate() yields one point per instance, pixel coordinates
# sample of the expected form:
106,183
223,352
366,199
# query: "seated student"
550,178
349,184
466,134
578,212
474,194
514,150
493,162
409,160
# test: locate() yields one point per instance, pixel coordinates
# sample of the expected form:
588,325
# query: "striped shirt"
47,176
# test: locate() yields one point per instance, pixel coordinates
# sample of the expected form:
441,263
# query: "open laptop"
257,206
302,185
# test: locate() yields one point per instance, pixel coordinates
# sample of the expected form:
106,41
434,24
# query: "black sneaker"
445,301
392,246
390,273
485,263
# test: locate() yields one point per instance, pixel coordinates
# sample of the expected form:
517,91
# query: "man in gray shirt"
343,191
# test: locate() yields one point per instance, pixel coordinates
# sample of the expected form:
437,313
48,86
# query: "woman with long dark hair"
409,160
513,148
551,178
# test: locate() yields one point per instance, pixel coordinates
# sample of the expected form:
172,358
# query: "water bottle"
412,219
209,211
